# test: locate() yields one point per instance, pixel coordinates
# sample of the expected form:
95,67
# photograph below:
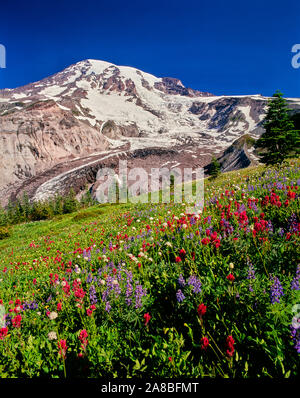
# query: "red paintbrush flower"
205,343
201,309
147,318
230,277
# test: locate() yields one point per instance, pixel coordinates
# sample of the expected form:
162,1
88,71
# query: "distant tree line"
23,210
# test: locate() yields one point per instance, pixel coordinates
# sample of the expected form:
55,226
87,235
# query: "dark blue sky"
225,47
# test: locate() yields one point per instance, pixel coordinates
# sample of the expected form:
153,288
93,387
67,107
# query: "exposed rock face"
170,85
64,121
231,115
111,130
83,171
239,155
39,137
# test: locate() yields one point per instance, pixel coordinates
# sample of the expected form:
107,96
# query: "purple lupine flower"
251,275
295,334
139,293
8,319
105,294
107,306
228,227
128,293
180,296
87,253
117,289
195,282
119,275
192,221
292,223
281,232
89,278
295,281
93,296
129,275
276,290
251,272
33,305
242,208
181,281
109,283
270,227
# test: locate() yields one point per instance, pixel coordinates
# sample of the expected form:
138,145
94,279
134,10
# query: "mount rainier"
58,132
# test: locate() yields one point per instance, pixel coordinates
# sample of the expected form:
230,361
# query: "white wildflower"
52,336
53,315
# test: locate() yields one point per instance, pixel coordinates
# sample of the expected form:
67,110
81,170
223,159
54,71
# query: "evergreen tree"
58,205
18,212
86,199
40,211
10,212
215,168
172,183
280,139
3,217
26,206
70,202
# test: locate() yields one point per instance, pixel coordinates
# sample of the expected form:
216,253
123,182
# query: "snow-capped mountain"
94,110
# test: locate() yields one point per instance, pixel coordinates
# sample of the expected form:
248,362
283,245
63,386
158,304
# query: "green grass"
59,226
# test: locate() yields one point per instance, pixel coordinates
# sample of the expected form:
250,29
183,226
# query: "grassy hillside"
152,290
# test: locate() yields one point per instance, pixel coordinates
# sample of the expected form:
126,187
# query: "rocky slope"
238,155
94,110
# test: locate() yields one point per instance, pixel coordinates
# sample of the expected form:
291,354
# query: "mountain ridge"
96,107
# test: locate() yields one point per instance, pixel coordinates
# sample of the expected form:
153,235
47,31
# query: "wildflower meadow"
128,290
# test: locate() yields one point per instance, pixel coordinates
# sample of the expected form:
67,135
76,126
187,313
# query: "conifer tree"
70,202
26,206
3,217
215,168
280,139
